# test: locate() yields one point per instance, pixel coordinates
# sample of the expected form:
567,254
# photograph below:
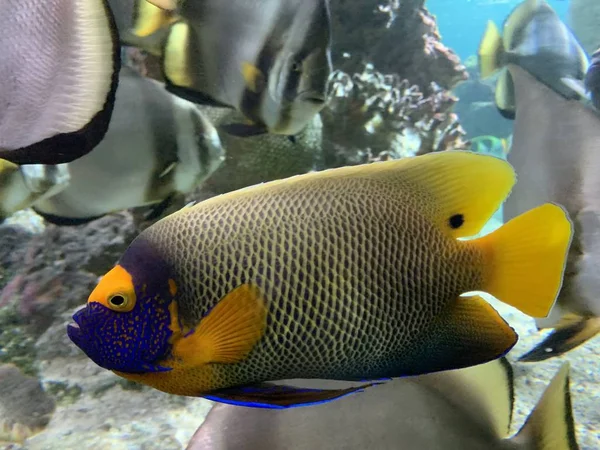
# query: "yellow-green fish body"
352,273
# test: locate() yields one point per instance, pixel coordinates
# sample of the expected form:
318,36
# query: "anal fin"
563,339
551,426
243,130
469,332
274,396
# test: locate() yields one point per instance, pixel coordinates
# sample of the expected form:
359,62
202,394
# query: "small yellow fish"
355,273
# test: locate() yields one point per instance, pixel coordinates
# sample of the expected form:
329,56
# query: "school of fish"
347,297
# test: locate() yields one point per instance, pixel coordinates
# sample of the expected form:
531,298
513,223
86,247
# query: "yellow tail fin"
525,259
550,426
490,51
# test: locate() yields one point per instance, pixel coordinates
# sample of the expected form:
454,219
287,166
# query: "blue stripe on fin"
274,396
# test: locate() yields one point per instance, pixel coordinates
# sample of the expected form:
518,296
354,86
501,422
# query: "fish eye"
456,221
296,67
119,302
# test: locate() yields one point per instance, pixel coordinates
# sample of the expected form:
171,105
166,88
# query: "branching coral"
371,115
396,36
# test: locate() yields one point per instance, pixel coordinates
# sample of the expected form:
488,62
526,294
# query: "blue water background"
462,22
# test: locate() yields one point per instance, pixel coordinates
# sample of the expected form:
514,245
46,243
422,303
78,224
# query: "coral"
371,115
16,344
13,239
57,268
389,96
25,409
64,393
584,17
399,37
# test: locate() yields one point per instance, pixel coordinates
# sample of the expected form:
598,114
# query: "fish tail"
563,339
550,426
491,50
525,259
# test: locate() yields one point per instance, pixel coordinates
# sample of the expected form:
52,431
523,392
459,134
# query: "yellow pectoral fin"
228,332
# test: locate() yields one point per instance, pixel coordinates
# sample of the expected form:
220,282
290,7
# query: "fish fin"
464,188
527,258
469,332
518,18
550,426
505,96
577,86
182,78
253,77
155,211
65,221
228,332
194,96
176,58
274,396
169,5
497,403
243,129
292,139
490,50
81,111
148,18
565,337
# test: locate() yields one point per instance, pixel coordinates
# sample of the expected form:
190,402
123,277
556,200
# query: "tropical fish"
592,79
22,186
555,153
59,71
491,145
141,24
354,273
466,409
158,146
257,159
534,38
269,59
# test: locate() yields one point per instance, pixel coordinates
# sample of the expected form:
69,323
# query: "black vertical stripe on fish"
252,101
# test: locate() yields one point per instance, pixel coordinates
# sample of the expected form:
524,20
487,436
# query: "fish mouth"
316,100
74,329
312,97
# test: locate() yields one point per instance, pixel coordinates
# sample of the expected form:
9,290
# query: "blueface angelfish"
354,273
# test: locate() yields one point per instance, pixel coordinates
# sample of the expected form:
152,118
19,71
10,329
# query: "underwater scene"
300,224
